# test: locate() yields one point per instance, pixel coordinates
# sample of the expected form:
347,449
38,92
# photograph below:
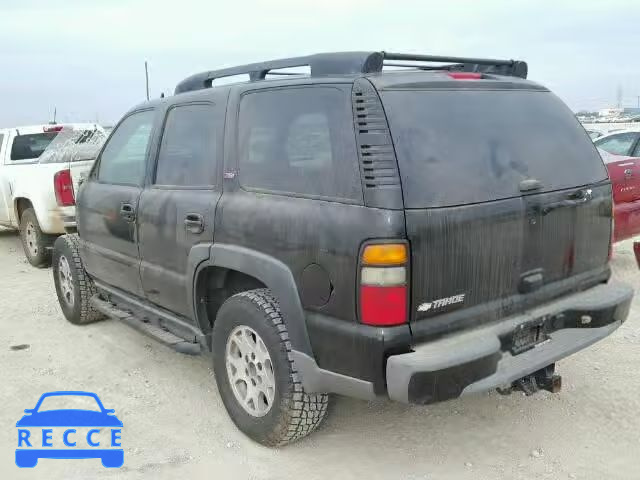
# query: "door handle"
194,223
128,212
574,199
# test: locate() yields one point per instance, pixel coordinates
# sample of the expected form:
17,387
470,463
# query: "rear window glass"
74,146
458,147
31,146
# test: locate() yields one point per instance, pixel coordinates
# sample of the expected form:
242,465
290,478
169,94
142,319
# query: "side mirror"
109,411
28,410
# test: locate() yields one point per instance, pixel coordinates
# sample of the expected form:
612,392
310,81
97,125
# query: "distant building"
619,112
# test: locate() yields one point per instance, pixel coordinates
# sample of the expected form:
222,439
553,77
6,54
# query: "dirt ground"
175,425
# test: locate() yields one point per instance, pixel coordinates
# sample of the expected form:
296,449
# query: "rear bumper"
481,359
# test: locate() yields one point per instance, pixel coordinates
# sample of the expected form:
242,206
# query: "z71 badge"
441,302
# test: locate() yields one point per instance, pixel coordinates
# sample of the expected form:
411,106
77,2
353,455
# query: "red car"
624,172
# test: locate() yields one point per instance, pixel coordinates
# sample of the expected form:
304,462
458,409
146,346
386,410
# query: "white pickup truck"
41,167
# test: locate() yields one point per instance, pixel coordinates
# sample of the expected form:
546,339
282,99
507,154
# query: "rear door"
507,201
177,211
108,204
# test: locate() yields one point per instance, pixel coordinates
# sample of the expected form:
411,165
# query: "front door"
177,210
108,205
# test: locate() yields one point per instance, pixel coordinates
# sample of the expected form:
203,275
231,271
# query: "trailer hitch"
543,379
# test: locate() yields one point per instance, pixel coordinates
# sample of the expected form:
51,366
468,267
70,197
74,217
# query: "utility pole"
146,75
619,96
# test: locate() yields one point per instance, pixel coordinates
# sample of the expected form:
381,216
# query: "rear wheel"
36,244
254,371
73,286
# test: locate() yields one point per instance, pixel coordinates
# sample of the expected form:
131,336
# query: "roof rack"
345,63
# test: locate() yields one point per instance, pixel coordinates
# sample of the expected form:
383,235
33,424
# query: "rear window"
31,146
74,146
458,147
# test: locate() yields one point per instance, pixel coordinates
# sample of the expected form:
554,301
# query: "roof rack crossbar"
344,63
443,59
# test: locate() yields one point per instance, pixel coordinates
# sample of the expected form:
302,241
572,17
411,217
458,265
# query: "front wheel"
73,286
254,372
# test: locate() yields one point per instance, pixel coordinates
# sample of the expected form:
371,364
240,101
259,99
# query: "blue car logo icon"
42,431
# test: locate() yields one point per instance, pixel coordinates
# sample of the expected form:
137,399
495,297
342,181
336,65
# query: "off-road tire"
294,414
36,244
81,311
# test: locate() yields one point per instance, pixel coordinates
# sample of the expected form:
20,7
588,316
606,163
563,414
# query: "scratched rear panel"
483,251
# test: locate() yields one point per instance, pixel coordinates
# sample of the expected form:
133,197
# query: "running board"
154,331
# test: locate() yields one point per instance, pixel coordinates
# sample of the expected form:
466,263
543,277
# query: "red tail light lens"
56,128
63,187
465,75
383,306
383,284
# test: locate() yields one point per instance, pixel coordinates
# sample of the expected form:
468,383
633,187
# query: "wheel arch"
20,204
269,271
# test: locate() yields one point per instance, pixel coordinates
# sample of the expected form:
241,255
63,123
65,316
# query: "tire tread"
88,314
305,411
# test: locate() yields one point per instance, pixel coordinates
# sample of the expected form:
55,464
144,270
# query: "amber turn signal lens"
385,254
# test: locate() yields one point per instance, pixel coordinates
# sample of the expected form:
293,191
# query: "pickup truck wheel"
36,244
254,371
73,286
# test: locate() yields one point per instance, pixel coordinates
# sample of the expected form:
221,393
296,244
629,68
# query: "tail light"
56,128
63,186
465,75
383,284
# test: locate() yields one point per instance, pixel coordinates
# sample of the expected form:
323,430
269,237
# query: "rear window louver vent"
378,165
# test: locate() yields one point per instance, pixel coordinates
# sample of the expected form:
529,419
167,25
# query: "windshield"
69,402
31,146
458,147
74,146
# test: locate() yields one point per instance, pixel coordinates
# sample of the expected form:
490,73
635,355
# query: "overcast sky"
87,57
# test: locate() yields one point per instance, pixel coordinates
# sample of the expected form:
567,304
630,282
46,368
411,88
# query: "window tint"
123,158
31,146
463,146
619,144
187,153
299,141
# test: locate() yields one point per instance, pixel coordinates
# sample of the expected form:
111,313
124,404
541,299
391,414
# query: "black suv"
417,233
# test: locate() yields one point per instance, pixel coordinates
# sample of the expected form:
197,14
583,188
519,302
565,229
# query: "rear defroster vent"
378,165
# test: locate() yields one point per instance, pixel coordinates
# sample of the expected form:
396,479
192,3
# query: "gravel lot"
175,424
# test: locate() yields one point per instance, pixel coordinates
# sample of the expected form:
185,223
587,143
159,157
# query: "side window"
188,151
636,152
619,144
124,157
299,140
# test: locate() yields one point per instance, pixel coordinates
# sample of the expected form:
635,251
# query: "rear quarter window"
299,141
457,147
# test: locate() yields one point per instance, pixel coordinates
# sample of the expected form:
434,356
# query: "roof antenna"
146,75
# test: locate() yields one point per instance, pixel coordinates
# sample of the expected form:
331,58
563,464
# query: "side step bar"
154,331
